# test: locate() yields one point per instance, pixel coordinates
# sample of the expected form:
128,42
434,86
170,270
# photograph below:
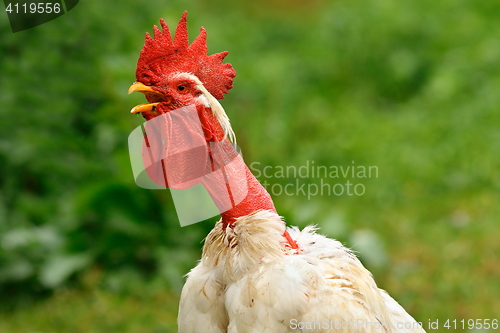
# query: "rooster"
255,274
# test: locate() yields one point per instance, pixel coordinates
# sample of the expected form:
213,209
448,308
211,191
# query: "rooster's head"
174,74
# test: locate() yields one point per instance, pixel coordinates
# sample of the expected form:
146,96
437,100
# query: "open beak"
144,108
140,87
146,90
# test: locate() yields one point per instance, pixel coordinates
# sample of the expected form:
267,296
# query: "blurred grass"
93,309
409,87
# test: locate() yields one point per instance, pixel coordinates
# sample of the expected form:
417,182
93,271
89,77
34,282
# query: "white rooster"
255,275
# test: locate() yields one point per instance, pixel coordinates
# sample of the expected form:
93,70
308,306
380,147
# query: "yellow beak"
144,108
142,88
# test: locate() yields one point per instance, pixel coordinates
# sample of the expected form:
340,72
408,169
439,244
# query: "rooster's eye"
181,87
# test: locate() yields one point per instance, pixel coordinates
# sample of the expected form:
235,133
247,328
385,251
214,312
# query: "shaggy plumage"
248,280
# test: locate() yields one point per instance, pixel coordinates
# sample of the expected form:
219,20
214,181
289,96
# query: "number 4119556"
472,324
33,8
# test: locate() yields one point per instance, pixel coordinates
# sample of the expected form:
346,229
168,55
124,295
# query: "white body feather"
248,281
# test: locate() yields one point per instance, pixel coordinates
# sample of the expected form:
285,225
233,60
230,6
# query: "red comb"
161,56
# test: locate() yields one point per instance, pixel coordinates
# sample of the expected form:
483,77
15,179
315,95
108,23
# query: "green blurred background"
411,87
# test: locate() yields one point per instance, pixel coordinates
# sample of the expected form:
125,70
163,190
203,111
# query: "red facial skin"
172,94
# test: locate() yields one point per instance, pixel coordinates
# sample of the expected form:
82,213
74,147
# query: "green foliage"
92,309
408,87
67,199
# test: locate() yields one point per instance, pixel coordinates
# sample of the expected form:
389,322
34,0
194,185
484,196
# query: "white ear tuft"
219,113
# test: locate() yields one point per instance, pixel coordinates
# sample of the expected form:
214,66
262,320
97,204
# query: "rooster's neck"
237,193
244,193
234,189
